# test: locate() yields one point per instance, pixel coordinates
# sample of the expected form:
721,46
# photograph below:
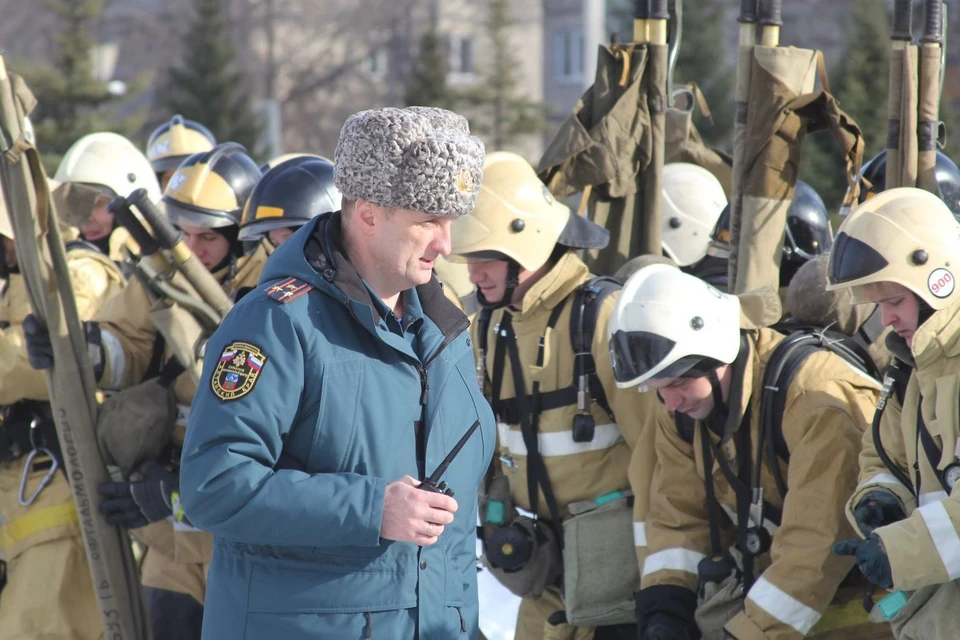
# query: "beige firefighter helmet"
517,218
109,162
173,142
692,201
907,236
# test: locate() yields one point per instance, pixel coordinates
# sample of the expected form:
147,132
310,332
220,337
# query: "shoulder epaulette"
288,290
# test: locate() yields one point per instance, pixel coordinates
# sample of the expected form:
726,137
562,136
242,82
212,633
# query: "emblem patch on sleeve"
238,370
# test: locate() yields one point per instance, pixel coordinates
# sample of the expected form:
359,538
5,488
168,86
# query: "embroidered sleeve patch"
238,370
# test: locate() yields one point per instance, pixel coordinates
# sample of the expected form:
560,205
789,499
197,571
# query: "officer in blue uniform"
330,392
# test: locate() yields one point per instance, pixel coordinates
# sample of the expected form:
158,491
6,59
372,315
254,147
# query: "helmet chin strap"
513,281
719,407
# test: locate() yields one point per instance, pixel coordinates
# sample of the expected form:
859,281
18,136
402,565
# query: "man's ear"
365,216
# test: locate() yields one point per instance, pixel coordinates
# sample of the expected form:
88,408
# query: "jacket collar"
554,287
325,253
938,337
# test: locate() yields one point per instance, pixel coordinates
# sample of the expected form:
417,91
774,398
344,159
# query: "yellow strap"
625,76
37,520
584,200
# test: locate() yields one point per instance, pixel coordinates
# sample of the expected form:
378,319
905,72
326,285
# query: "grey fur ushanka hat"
419,158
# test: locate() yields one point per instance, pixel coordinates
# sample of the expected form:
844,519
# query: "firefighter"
898,249
544,319
49,591
739,463
173,142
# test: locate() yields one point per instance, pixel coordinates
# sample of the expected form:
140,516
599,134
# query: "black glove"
136,504
876,509
665,612
665,627
37,340
40,349
870,557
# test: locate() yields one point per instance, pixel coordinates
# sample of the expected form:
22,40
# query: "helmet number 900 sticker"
941,283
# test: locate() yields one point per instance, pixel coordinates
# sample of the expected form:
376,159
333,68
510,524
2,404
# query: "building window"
377,63
461,55
568,55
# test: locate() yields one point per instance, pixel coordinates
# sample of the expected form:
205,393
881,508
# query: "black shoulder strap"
583,325
536,468
685,425
483,325
783,366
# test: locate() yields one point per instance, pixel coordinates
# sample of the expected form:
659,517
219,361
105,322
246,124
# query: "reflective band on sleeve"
930,498
882,478
783,606
672,560
639,534
111,344
559,443
944,536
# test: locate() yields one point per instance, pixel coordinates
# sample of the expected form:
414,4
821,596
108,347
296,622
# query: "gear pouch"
600,572
543,566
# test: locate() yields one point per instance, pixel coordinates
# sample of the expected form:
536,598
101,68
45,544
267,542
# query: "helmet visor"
635,354
806,240
853,259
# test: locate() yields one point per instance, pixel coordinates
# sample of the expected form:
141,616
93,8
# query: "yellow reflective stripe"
59,515
268,212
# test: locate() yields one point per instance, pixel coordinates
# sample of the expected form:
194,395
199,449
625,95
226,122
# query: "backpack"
801,342
583,324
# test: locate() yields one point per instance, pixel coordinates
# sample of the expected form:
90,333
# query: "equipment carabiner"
28,465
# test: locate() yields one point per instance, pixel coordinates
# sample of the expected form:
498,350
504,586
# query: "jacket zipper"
420,426
368,630
463,623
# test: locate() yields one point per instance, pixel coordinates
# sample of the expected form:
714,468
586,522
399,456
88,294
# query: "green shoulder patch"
237,371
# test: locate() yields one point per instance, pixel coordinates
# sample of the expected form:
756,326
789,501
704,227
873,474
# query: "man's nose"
476,273
887,316
671,399
441,242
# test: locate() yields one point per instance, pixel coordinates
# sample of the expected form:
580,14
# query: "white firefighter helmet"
669,324
692,201
109,162
907,236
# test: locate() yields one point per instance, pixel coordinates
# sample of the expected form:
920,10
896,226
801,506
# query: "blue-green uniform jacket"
310,404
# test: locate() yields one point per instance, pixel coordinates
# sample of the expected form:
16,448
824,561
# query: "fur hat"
419,158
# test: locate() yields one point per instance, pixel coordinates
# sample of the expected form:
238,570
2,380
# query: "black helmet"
873,180
173,142
289,195
209,189
807,233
